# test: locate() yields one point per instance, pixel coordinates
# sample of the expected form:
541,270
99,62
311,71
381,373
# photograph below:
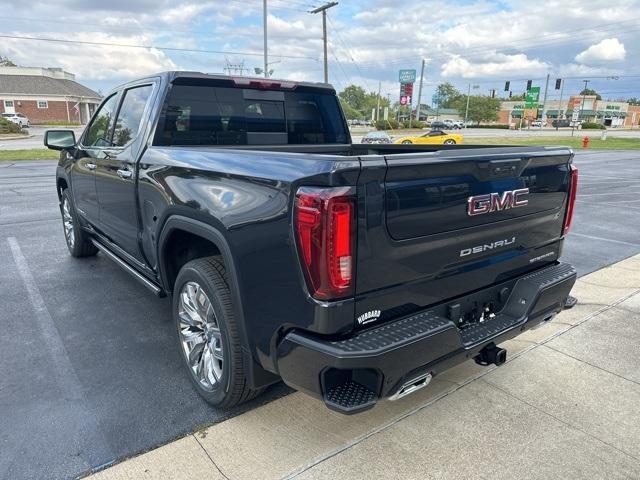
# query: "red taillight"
573,190
325,229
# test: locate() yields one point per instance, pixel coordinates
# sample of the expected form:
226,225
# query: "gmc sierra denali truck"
352,272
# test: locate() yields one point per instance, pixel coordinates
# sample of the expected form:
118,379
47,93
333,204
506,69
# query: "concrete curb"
296,436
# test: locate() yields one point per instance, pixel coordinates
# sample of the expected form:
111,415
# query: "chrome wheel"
200,335
67,223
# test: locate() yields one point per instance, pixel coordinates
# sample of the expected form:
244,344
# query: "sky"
477,43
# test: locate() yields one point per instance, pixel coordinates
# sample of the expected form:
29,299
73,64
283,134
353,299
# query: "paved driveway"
90,370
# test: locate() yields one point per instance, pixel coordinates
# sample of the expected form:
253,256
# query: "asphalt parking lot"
91,373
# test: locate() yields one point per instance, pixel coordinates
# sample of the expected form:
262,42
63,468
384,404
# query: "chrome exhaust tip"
412,386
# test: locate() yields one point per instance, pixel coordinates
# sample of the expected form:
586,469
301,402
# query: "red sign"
406,89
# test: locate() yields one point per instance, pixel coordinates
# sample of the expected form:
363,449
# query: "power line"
157,47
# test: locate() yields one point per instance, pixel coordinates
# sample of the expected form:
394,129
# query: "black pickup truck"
352,272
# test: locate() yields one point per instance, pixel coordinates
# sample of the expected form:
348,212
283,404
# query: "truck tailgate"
433,226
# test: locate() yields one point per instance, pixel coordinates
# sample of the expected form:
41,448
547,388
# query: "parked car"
376,137
434,137
538,123
561,123
438,125
18,118
352,272
454,124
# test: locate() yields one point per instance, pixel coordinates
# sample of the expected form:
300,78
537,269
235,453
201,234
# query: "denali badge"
493,202
367,317
487,246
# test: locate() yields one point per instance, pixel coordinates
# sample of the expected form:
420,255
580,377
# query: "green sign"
532,98
407,76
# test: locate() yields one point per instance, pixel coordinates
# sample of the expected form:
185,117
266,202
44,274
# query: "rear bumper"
352,373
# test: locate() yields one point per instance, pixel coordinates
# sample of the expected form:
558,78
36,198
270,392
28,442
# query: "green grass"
31,154
611,143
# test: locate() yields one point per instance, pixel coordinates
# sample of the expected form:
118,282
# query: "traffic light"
528,85
509,93
506,86
558,83
493,93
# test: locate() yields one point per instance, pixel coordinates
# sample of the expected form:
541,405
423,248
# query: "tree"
448,95
5,62
481,108
517,98
633,101
354,96
358,104
591,91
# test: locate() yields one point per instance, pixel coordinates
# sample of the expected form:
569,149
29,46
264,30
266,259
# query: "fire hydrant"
585,142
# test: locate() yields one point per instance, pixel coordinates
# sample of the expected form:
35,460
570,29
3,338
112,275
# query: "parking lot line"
67,380
594,237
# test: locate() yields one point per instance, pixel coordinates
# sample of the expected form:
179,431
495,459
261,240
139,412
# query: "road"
35,139
90,369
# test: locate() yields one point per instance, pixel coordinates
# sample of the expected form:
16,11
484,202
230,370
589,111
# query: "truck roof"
172,75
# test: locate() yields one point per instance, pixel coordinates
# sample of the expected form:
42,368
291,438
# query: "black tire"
449,142
407,142
78,242
232,388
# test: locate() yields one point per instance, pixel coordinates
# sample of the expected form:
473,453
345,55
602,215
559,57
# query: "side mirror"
59,139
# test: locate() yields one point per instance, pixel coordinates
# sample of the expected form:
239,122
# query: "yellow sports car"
434,137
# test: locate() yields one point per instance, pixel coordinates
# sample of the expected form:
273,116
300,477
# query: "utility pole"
323,9
420,91
466,111
266,59
584,94
560,109
544,102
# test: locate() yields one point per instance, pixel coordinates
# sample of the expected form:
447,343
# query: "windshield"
214,115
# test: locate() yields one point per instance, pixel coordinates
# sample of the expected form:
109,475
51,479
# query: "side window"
130,114
99,133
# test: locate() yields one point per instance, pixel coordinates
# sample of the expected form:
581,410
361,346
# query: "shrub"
9,127
413,124
593,126
499,126
390,124
62,123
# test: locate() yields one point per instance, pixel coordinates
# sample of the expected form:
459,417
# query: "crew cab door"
116,171
95,140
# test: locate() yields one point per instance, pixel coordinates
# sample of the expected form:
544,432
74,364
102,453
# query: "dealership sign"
407,76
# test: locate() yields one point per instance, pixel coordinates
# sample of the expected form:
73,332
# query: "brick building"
45,95
612,114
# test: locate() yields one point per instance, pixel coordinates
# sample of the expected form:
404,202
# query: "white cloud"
492,65
92,61
609,49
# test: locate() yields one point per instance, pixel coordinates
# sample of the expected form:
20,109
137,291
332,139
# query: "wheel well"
62,185
182,247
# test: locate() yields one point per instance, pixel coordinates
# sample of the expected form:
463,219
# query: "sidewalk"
565,405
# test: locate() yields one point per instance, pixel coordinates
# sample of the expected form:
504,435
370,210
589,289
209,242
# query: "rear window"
214,115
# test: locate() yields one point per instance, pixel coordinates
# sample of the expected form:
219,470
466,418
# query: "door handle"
90,166
124,174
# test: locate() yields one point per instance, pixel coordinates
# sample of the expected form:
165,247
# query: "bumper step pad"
350,396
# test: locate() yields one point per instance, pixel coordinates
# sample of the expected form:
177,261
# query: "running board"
127,268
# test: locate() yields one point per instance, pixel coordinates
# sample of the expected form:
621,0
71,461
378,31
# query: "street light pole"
420,91
324,9
266,59
544,103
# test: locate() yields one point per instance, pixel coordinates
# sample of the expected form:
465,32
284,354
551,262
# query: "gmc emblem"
494,202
